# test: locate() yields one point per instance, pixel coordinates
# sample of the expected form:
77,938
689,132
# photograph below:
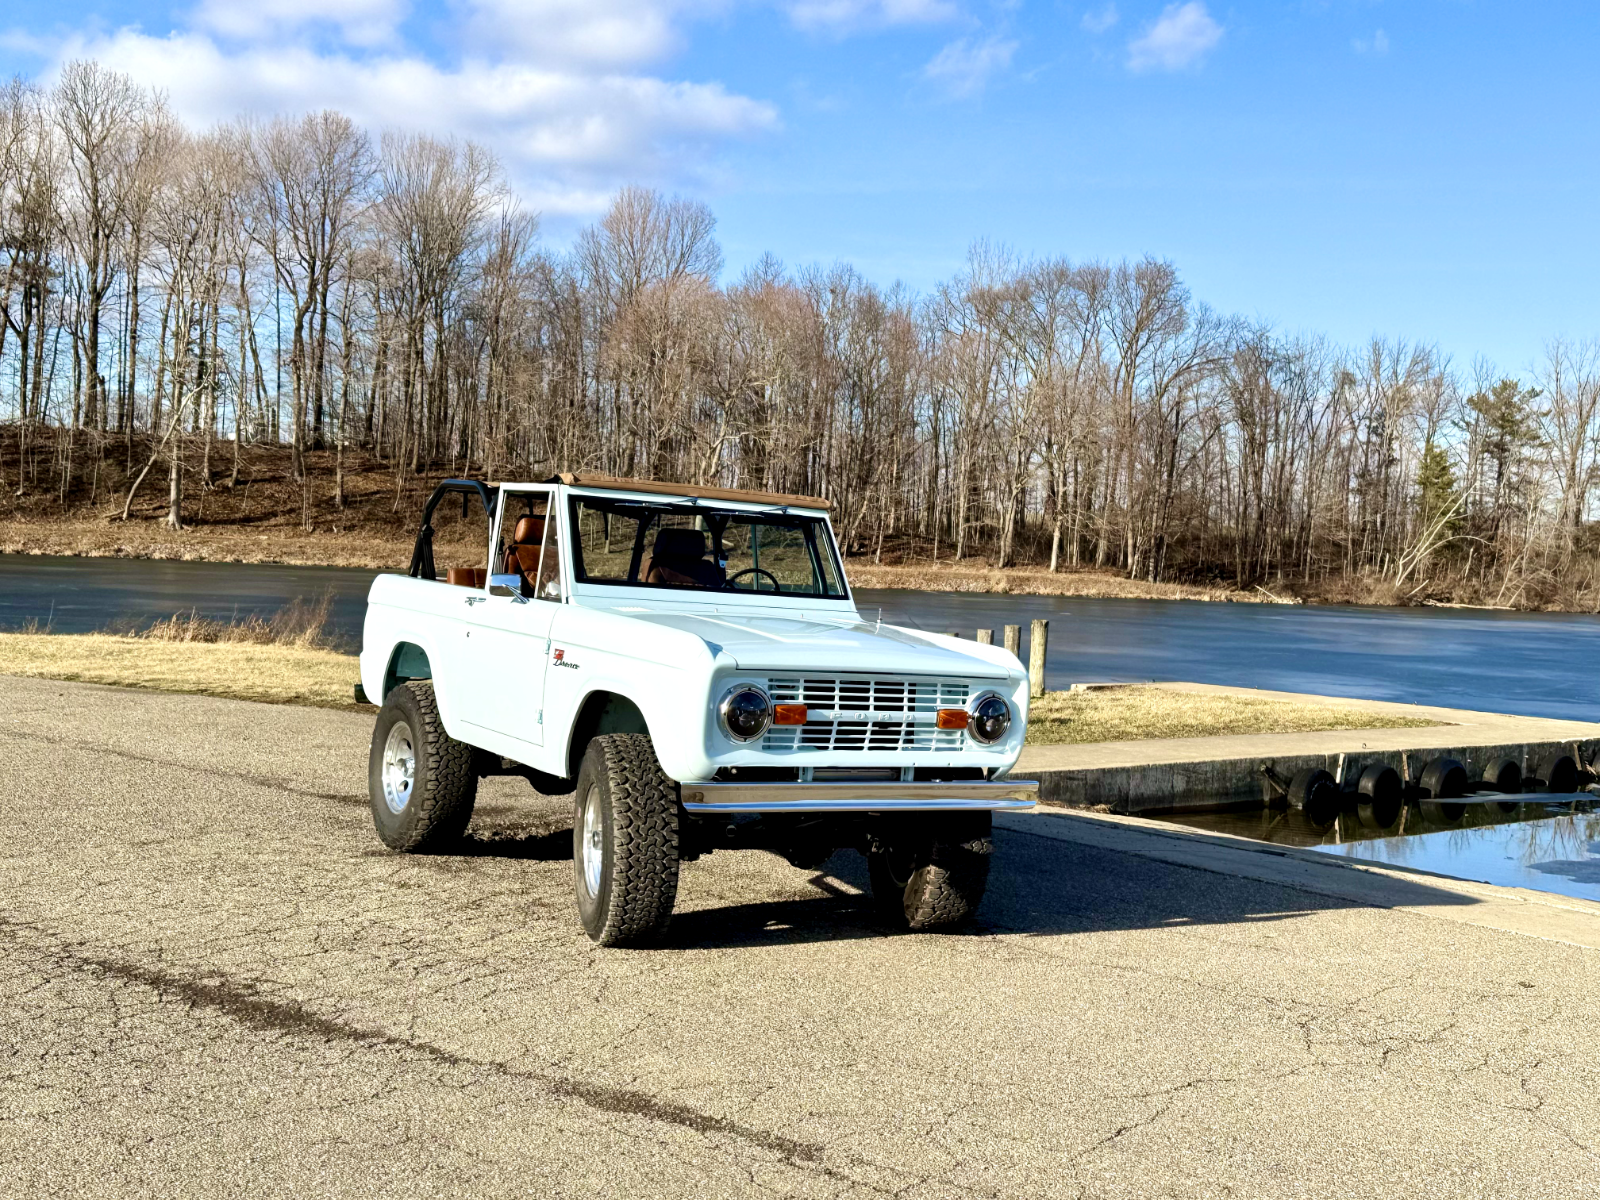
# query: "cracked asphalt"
216,982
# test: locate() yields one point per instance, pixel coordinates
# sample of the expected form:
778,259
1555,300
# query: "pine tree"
1438,494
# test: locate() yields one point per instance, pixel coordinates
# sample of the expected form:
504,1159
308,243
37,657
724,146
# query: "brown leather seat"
522,552
679,558
473,577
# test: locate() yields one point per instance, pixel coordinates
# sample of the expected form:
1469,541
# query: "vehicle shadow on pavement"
527,847
775,923
1044,886
507,826
840,909
1037,887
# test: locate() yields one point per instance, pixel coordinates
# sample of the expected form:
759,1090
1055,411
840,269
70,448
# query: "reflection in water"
1544,847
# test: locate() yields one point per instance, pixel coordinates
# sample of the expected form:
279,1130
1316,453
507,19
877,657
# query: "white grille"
867,714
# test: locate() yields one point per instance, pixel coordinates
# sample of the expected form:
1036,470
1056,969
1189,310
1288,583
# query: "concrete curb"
1211,785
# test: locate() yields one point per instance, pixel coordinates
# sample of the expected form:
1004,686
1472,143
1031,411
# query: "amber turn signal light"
789,714
952,718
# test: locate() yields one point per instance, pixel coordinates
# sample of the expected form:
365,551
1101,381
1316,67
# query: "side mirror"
505,585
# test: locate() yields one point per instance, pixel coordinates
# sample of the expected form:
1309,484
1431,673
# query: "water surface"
1540,846
1557,854
1536,664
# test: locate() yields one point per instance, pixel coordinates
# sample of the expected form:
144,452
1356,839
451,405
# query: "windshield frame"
815,525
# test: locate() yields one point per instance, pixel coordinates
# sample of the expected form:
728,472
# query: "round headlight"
746,712
991,719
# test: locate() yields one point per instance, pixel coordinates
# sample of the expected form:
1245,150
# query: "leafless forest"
172,299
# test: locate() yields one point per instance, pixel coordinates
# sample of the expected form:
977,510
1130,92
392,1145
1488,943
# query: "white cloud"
1180,37
1378,43
963,67
359,22
568,136
1101,19
573,33
845,16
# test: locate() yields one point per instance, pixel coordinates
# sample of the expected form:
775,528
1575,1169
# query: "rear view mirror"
505,585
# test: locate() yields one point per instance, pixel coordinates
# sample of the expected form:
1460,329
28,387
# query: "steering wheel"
737,575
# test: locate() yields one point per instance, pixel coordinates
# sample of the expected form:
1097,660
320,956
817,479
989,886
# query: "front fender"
671,706
664,673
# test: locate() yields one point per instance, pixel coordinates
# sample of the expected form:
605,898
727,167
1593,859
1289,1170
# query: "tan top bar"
655,487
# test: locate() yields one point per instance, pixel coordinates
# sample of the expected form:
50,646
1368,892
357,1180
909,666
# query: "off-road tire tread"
948,882
448,778
644,815
948,890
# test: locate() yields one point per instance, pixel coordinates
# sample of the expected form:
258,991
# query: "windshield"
700,547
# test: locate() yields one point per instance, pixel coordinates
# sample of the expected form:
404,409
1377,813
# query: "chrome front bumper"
857,797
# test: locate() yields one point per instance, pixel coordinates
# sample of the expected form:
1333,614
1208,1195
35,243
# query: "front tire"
421,782
932,874
624,841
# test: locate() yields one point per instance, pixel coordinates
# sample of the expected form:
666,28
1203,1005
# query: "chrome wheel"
399,767
591,847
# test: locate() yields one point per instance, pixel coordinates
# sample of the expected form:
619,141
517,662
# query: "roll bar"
422,553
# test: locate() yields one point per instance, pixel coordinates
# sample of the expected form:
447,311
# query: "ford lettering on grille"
847,714
887,714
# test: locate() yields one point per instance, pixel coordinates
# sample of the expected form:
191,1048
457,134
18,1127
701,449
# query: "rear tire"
932,873
624,841
421,782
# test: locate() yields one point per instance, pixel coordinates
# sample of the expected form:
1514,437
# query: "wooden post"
1014,639
1038,643
985,637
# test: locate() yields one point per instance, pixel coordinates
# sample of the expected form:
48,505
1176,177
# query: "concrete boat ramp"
1178,775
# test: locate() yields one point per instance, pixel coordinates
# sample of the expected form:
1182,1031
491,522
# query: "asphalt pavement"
214,981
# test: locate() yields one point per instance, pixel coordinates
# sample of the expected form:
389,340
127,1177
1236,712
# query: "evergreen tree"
1438,495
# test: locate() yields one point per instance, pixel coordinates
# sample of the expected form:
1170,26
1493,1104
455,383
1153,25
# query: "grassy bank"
301,674
1134,714
274,674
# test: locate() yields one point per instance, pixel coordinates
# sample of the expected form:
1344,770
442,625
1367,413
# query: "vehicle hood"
770,642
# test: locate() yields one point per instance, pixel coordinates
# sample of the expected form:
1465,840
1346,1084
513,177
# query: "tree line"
172,296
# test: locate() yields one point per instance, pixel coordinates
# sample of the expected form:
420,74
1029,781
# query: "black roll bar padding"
422,553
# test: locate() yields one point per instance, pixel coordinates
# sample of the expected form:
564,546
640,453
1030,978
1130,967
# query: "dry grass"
1136,713
298,623
287,659
275,674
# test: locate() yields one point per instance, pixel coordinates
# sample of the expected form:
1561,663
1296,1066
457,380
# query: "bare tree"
100,115
1025,413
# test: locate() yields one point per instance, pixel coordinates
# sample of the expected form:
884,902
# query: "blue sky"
1424,171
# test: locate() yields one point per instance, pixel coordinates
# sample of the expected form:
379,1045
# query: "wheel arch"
407,660
602,711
